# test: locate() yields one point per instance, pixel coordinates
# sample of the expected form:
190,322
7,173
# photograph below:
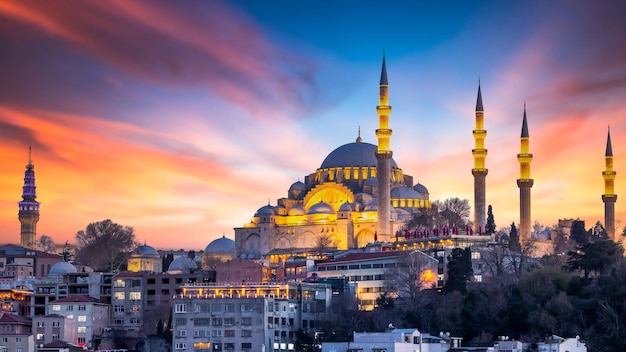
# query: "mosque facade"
358,195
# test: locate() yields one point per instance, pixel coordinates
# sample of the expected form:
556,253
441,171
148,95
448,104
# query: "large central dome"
357,154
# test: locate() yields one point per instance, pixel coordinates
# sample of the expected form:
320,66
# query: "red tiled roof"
76,298
8,318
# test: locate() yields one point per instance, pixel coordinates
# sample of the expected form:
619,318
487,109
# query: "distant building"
218,251
39,262
91,317
241,271
556,343
145,258
53,327
393,340
15,333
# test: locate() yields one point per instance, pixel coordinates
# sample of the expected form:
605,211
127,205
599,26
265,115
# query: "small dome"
221,245
372,181
373,206
405,193
296,210
297,186
420,188
144,251
182,265
265,210
321,208
363,198
61,268
345,207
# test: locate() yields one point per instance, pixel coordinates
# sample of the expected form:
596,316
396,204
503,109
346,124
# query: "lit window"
82,318
56,307
120,295
40,336
120,283
135,296
81,329
40,324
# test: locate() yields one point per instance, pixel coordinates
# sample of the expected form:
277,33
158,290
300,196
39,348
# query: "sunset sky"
182,118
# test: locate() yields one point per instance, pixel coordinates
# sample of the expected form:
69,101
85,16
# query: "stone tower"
609,197
383,157
479,171
525,183
29,208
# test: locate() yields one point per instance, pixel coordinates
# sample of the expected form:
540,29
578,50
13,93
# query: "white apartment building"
90,315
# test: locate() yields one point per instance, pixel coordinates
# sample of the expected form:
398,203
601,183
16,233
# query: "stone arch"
252,244
283,242
332,193
364,237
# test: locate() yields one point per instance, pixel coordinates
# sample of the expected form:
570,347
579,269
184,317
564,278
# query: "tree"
460,271
514,243
538,227
578,232
46,244
490,226
595,256
103,245
414,272
323,243
454,211
598,231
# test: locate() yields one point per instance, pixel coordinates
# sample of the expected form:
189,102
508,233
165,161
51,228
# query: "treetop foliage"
102,245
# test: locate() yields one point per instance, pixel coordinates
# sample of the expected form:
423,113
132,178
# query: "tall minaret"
479,171
29,208
524,182
609,197
383,156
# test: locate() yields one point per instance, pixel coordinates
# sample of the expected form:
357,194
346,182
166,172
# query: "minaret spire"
609,197
525,183
383,156
479,171
28,213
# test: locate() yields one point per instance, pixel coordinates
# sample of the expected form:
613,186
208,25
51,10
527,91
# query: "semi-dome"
297,209
144,251
372,181
357,154
321,208
182,265
405,193
265,210
297,186
420,188
62,268
221,245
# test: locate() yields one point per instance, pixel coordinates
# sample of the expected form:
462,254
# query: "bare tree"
103,245
454,211
519,261
46,244
415,271
323,243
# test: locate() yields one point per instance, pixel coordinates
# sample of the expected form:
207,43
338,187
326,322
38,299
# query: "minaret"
479,171
29,208
383,156
524,182
609,197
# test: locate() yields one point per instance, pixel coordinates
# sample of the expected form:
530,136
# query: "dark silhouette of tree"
490,226
103,245
454,211
167,260
595,256
323,243
415,271
578,233
514,244
46,244
598,231
460,270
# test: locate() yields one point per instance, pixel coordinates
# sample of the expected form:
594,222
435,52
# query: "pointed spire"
358,138
609,148
479,99
383,73
525,125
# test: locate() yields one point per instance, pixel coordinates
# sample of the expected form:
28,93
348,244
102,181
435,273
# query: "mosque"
358,195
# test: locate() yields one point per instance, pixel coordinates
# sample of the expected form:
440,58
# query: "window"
181,322
246,333
55,336
56,324
180,346
151,292
475,255
18,339
217,347
229,321
135,283
201,322
135,308
118,309
180,308
182,333
40,336
246,307
247,321
56,307
40,324
120,295
165,281
81,340
81,329
120,283
229,307
151,281
118,321
69,307
216,333
165,292
246,345
82,318
217,322
134,321
216,307
229,346
229,333
82,307
5,340
135,296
